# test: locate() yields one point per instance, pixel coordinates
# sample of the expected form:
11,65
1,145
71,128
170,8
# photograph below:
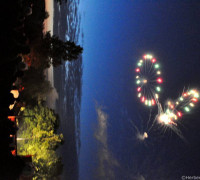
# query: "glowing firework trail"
165,118
176,109
140,135
148,80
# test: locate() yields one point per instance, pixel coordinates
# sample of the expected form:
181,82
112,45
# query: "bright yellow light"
137,77
145,81
146,102
139,95
141,61
171,114
181,98
191,104
15,93
22,108
148,56
158,72
192,91
164,118
145,135
196,95
11,106
156,95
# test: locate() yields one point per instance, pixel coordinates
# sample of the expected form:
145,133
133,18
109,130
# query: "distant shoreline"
48,23
48,26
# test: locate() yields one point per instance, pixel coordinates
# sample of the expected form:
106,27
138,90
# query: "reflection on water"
68,82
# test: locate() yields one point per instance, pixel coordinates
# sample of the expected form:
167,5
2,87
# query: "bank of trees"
50,50
23,40
38,123
35,85
45,50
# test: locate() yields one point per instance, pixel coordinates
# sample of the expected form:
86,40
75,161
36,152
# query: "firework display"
148,80
176,109
148,84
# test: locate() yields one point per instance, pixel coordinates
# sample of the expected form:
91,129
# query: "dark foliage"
36,87
59,51
61,1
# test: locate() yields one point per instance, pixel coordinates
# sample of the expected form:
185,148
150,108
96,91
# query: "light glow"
153,102
156,95
158,72
187,109
159,80
153,60
143,99
156,66
179,114
137,70
164,118
144,81
139,64
194,99
147,80
146,102
191,104
138,82
149,103
181,99
185,94
158,89
139,89
196,95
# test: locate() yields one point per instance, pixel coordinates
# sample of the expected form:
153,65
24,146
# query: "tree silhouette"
57,50
60,1
53,51
36,87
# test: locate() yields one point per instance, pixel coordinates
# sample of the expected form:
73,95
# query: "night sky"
116,35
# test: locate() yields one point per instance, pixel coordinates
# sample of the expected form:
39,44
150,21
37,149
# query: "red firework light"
159,80
153,60
139,89
137,70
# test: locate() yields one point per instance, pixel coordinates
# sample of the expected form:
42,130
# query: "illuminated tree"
38,138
